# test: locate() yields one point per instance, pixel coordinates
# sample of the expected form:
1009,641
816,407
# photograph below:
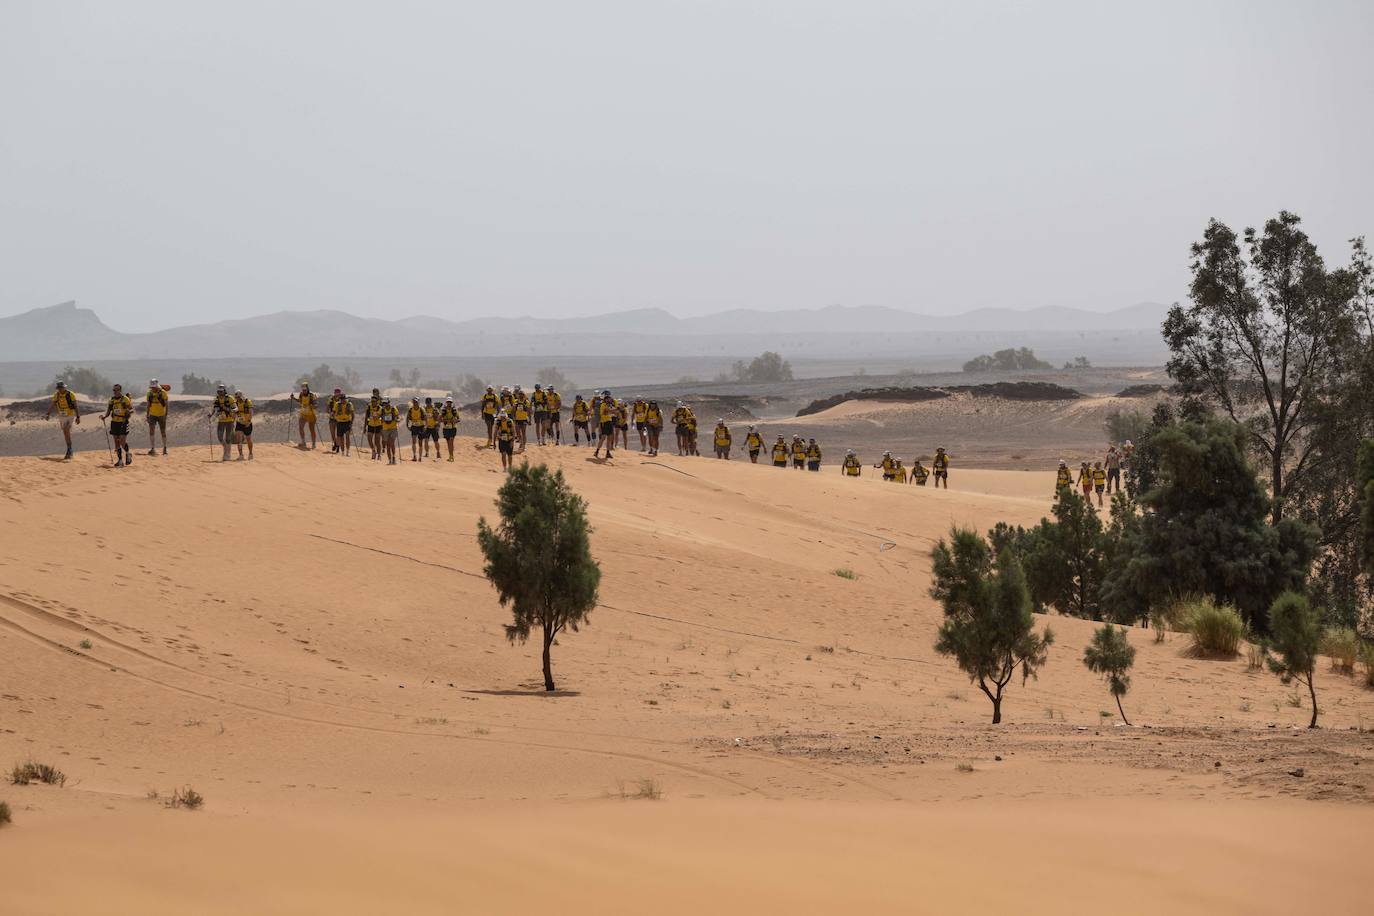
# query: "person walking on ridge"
64,402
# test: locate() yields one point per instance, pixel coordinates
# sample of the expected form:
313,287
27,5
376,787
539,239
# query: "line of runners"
1100,477
602,421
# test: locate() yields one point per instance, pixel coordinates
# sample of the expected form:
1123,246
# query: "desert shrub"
1255,654
1367,656
646,789
4,813
1343,645
185,797
30,772
846,574
1216,629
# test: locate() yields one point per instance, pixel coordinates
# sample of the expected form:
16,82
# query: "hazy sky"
175,162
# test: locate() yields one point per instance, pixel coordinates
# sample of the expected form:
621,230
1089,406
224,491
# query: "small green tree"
1110,655
988,628
1064,565
539,558
1295,636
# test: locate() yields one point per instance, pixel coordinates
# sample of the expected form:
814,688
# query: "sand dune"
309,641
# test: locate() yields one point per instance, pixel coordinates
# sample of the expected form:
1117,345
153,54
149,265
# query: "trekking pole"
108,446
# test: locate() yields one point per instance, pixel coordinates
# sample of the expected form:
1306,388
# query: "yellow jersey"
157,402
64,402
120,408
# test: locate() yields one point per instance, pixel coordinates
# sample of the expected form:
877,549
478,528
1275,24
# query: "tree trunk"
1122,711
548,667
1276,482
997,708
1312,689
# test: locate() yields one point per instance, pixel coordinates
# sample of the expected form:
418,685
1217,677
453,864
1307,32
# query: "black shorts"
119,427
753,453
245,428
608,428
158,421
343,427
640,425
417,430
555,416
579,424
944,474
450,433
682,429
506,446
433,433
489,420
779,463
521,424
540,415
373,430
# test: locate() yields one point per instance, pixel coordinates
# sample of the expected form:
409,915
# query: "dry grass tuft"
1216,629
964,767
646,789
185,797
25,773
4,813
846,574
1343,645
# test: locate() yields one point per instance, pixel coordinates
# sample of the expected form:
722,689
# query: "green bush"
1216,629
1343,645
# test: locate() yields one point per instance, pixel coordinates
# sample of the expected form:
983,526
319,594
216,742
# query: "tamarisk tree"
539,558
989,628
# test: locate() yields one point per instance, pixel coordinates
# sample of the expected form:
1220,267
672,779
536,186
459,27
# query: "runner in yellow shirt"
243,423
520,412
372,421
607,415
156,401
780,453
754,443
813,456
939,466
722,439
223,412
851,466
555,416
343,423
798,453
653,421
640,413
448,420
919,474
581,414
306,403
898,472
887,464
64,402
391,422
431,428
491,406
505,439
415,422
119,410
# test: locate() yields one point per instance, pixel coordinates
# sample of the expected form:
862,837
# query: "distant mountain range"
66,332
